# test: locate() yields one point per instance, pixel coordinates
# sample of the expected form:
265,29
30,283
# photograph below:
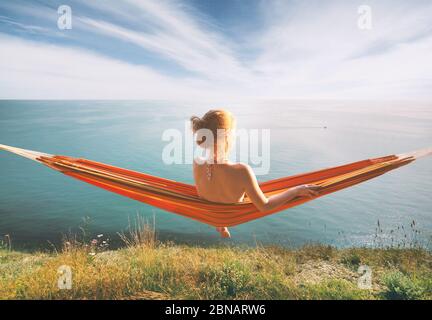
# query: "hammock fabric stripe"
182,198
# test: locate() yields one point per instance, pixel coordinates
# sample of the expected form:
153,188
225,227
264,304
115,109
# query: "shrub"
402,287
351,259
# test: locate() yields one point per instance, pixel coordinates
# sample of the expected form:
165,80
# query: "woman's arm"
263,203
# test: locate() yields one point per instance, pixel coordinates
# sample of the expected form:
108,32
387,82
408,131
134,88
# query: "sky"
216,49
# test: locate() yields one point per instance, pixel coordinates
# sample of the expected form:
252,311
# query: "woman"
219,180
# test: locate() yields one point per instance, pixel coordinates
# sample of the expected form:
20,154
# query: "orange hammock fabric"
182,198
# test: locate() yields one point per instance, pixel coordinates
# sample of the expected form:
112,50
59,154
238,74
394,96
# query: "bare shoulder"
242,170
240,166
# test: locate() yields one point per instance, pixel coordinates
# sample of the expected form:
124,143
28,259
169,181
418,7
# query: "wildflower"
92,253
94,242
100,235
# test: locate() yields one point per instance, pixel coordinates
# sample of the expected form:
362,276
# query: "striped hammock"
183,199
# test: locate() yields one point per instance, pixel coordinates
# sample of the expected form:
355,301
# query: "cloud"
177,36
25,27
301,51
32,70
319,50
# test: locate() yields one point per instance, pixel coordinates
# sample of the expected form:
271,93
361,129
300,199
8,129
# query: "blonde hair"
214,120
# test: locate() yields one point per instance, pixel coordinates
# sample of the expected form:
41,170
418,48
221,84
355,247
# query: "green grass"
152,270
401,286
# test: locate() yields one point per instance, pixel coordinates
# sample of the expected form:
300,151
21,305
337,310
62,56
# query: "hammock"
183,199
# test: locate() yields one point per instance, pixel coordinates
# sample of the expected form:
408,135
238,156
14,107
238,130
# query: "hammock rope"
183,199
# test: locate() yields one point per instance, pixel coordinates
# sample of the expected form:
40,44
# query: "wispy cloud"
32,70
21,26
300,51
175,35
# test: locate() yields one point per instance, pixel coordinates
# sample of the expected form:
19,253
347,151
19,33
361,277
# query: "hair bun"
213,120
197,123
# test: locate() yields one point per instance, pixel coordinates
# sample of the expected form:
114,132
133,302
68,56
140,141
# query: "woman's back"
219,182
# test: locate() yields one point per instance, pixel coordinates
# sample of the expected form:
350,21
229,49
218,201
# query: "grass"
148,269
407,287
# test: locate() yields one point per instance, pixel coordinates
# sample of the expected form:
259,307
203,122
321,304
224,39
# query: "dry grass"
141,233
147,269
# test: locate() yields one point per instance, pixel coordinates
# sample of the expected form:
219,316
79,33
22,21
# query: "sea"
39,207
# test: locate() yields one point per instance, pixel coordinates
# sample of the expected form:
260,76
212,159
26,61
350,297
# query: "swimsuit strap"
208,171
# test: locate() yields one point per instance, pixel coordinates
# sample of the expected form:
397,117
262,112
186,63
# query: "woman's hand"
308,190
